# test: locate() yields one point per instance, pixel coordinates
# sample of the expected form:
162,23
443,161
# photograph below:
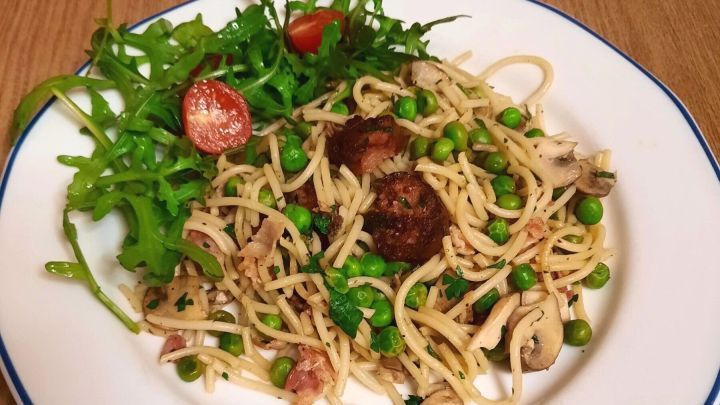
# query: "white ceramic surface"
656,330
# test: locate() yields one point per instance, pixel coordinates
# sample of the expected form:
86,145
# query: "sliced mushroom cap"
445,396
426,75
490,333
594,180
546,335
558,161
180,299
391,370
531,297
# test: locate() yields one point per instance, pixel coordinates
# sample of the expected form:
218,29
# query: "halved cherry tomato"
211,60
216,117
306,32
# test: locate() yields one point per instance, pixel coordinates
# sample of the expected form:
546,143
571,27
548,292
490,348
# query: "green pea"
577,332
574,238
372,265
442,149
232,344
598,277
523,276
510,117
280,369
293,140
484,303
293,158
393,268
267,198
480,136
416,296
303,129
495,162
419,147
509,202
231,186
336,279
352,267
426,102
534,133
456,132
391,342
300,216
379,295
189,368
383,315
222,316
503,184
272,320
362,296
498,230
589,211
340,108
406,108
558,192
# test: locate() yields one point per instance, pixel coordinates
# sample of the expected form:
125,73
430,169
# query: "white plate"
656,330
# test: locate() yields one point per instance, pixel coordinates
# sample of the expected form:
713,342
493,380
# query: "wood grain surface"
677,40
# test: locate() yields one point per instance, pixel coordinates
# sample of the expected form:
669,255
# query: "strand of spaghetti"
322,331
349,241
519,338
429,321
373,282
392,392
416,129
251,352
222,239
210,376
344,370
366,378
255,196
208,350
477,200
207,218
425,166
274,149
545,66
314,114
579,306
474,295
290,315
435,271
254,385
277,334
223,177
413,370
413,338
173,323
473,236
314,163
275,187
135,303
274,215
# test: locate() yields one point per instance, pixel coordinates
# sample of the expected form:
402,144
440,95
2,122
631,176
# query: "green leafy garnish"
413,400
605,175
498,265
183,302
456,287
321,223
573,300
313,265
345,315
225,376
153,304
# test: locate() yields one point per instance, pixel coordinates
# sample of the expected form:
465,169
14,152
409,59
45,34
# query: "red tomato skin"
216,117
306,32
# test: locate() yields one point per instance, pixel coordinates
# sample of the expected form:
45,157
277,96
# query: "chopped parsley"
206,245
182,302
225,376
459,270
374,344
605,175
461,374
230,230
314,265
456,287
404,202
413,400
322,222
432,352
573,300
153,304
276,270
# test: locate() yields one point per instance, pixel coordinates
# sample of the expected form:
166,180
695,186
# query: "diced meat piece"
462,246
180,299
535,228
260,249
173,343
304,196
426,75
309,376
364,143
298,303
407,219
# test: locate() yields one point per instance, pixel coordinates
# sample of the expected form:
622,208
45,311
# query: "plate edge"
8,370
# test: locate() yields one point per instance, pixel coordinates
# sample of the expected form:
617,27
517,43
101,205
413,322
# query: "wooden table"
676,40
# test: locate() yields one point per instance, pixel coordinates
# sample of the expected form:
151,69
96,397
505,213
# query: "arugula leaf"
344,313
456,287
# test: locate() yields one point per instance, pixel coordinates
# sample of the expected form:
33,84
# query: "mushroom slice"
558,161
594,180
180,299
445,396
425,75
490,333
545,335
531,297
391,370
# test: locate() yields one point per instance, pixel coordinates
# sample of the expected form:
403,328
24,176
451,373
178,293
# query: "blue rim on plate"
16,385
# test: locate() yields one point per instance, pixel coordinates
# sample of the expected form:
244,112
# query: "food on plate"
318,199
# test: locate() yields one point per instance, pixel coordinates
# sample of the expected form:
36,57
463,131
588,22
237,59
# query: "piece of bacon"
173,343
364,143
309,376
535,228
260,249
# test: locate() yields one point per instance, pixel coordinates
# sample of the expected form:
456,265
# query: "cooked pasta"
502,277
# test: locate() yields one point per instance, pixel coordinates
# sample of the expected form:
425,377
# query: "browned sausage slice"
364,143
407,219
